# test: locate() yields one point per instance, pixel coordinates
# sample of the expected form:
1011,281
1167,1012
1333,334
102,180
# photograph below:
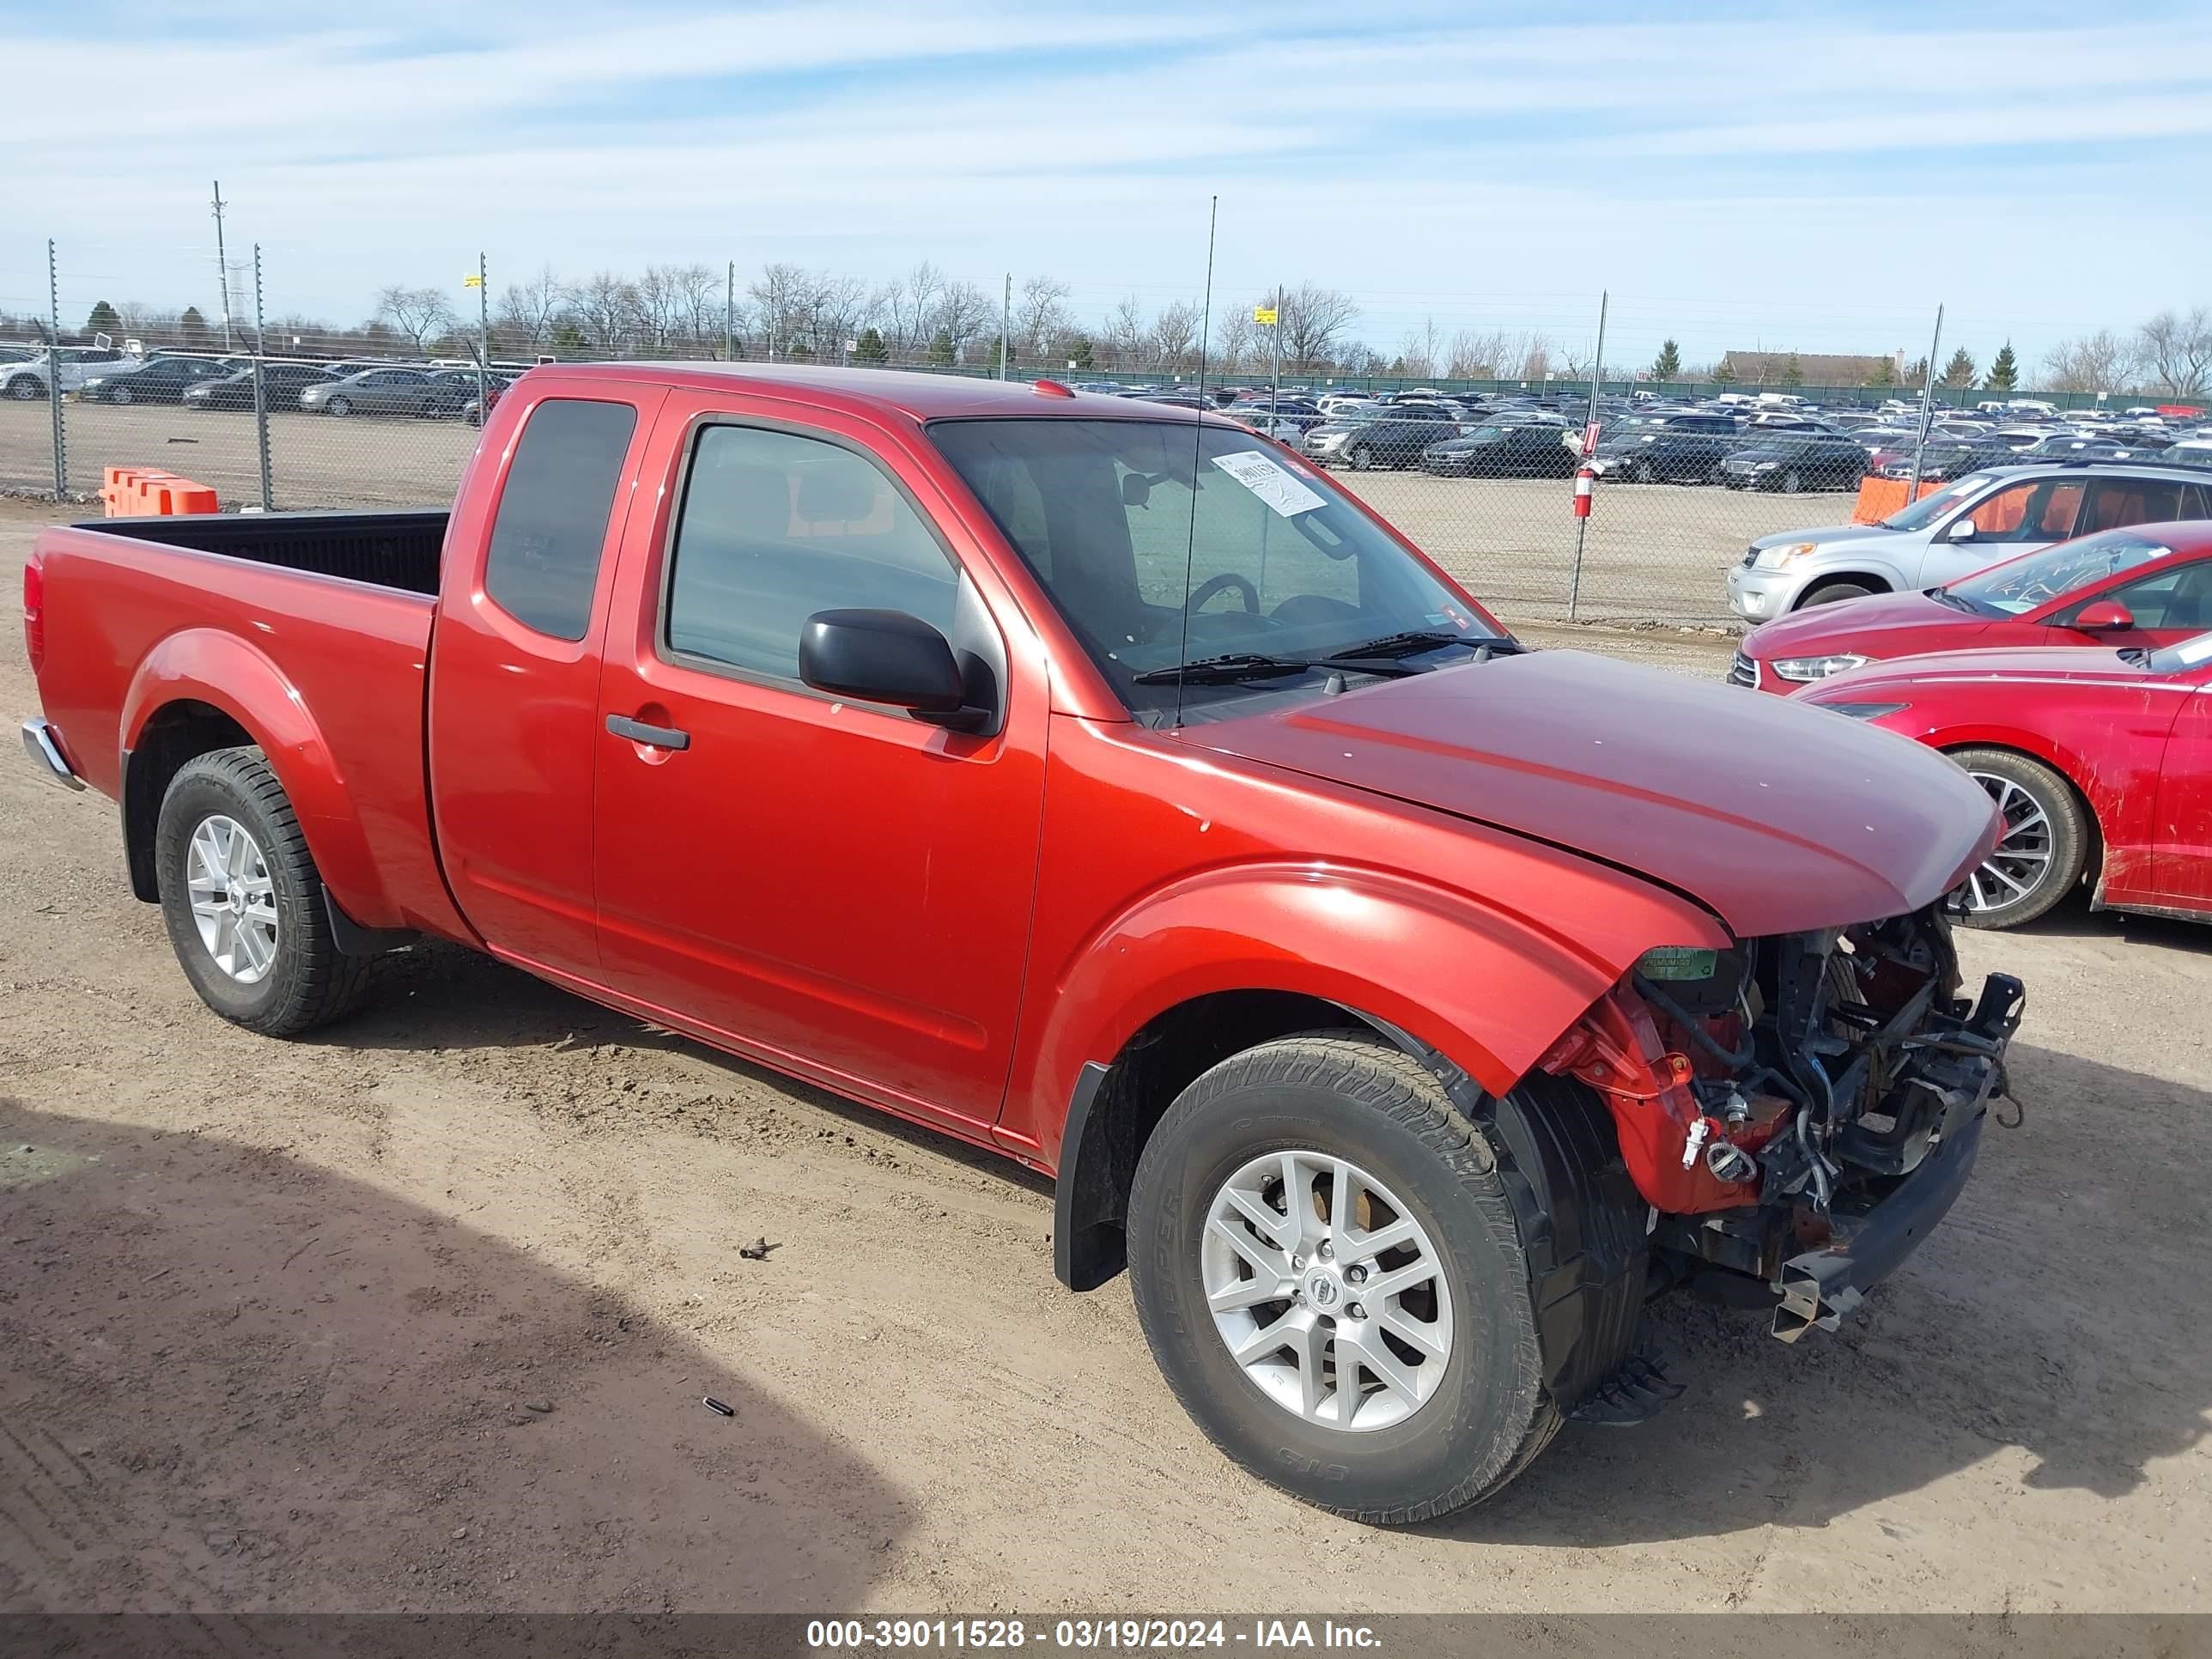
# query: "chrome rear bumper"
39,744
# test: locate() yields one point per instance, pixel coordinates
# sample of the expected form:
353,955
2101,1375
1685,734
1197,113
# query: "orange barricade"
1880,497
134,492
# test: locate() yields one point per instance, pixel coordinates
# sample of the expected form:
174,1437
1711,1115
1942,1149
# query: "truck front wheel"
243,901
1326,1267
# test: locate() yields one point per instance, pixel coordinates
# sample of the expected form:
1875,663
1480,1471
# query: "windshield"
2025,583
1155,563
1929,508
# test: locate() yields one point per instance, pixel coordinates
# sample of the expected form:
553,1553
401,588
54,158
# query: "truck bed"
389,550
311,631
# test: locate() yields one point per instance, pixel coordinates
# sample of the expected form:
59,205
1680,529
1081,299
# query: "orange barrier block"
1880,497
132,492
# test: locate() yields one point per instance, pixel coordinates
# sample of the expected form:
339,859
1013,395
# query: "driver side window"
1233,533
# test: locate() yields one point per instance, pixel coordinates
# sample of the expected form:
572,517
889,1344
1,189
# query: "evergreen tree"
1079,352
1791,374
1959,371
940,349
569,337
193,329
871,348
1667,366
2004,370
103,320
1722,374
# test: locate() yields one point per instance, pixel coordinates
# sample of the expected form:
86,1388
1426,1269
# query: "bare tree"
529,310
782,304
658,309
964,312
605,307
422,314
1128,334
1477,355
2177,352
909,307
1040,314
1313,319
2102,362
1238,340
1421,349
1176,337
702,303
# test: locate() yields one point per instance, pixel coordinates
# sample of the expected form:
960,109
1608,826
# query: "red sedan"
2149,584
2100,761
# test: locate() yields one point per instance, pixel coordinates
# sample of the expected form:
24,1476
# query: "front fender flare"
1485,987
225,672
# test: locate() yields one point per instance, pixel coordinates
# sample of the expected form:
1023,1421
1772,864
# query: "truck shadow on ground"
237,1380
2037,1329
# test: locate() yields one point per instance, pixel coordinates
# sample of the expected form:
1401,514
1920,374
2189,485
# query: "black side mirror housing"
881,656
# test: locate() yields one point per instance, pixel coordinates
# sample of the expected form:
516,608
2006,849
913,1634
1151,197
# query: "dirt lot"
420,1316
1653,550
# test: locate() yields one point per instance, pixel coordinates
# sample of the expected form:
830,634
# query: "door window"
2032,510
544,563
2179,600
2114,503
774,527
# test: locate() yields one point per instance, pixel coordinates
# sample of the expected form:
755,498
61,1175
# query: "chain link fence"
1481,472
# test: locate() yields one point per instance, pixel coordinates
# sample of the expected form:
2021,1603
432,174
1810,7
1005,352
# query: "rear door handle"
659,737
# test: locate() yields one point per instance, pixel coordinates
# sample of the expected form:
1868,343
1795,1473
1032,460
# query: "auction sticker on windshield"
1269,482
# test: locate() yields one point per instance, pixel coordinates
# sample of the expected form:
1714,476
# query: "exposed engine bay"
1797,1109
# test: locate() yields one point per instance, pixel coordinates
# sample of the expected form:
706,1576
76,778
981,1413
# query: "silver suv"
1979,521
75,365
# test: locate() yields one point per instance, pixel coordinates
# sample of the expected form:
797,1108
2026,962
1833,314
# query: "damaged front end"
1799,1110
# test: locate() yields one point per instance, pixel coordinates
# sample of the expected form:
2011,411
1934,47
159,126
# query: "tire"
1835,593
120,395
1793,483
338,406
1488,1411
308,980
2046,828
1362,458
26,387
1643,473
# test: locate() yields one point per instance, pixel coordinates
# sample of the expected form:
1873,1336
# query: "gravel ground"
420,1315
1653,551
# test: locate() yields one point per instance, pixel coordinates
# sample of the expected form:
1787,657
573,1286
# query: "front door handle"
658,737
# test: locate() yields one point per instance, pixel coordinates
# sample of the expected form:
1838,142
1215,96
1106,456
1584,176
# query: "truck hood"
1777,817
1826,533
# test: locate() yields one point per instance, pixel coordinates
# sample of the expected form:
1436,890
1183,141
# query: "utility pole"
221,266
730,314
1006,327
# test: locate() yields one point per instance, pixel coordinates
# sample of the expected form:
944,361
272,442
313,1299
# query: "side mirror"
1961,531
881,656
2104,616
1136,490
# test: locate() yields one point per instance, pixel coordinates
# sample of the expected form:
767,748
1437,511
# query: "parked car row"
102,374
2068,680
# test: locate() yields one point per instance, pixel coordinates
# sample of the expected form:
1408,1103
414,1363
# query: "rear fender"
1485,987
227,673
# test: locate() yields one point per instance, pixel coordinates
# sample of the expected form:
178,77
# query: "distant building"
1813,367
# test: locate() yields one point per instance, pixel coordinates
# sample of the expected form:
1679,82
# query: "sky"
1788,177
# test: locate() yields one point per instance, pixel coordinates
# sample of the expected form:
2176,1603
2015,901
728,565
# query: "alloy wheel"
2021,862
1326,1290
234,898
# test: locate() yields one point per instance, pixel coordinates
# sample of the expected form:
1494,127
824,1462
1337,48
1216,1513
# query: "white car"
76,364
1982,519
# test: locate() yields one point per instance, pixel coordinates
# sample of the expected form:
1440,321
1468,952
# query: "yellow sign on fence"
472,281
1263,314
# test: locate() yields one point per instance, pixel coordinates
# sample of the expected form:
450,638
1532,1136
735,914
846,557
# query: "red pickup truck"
1101,784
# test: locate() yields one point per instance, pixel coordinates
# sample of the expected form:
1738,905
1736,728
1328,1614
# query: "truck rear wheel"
243,901
1328,1270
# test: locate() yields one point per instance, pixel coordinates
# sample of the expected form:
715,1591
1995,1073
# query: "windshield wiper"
1250,666
1413,641
1945,595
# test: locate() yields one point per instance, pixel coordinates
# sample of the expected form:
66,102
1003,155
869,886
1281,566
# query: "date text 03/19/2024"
1081,1635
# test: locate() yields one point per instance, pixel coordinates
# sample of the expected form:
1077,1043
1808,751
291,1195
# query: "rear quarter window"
551,526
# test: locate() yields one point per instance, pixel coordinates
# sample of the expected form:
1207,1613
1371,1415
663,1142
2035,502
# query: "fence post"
483,343
1581,523
261,385
54,372
730,314
1927,410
